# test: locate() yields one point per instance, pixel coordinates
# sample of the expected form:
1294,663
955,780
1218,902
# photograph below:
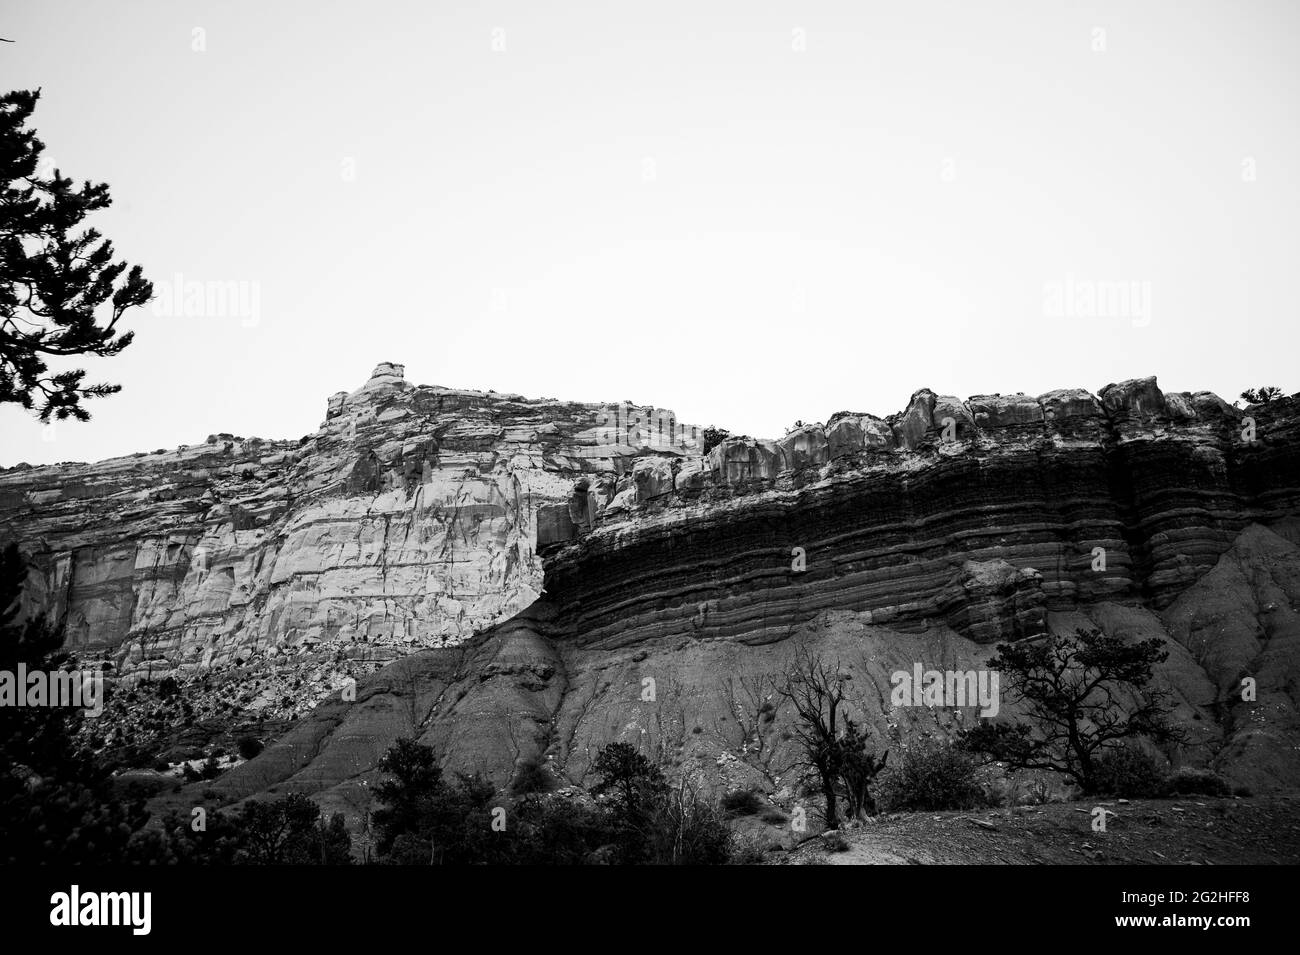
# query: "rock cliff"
547,577
675,588
408,520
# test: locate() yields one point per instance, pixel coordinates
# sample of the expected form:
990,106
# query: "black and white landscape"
976,541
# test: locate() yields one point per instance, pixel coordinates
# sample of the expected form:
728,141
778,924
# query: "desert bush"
1196,782
746,850
686,828
742,802
834,842
532,777
1038,792
249,746
1127,771
932,774
554,831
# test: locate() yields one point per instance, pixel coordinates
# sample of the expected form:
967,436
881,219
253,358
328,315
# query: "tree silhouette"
1084,695
1261,396
56,281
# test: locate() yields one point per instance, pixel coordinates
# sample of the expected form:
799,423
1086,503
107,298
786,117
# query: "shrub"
554,831
249,746
532,777
747,851
932,774
834,842
1039,793
1127,771
1261,396
714,437
742,802
1196,782
687,829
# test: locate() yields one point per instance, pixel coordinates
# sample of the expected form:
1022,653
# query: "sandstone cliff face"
983,515
408,520
923,538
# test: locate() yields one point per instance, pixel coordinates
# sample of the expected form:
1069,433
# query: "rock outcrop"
409,519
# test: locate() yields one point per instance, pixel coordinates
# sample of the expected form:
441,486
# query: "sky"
746,212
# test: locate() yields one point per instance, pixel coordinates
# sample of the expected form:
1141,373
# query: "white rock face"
408,520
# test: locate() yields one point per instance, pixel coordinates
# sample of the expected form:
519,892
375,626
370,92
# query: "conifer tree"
61,292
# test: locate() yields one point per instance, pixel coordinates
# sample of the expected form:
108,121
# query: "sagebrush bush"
742,802
1127,771
532,777
931,774
1196,782
249,746
835,843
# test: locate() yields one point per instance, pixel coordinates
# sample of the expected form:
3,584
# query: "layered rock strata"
984,514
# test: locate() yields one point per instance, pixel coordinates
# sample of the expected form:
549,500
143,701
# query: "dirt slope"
1205,831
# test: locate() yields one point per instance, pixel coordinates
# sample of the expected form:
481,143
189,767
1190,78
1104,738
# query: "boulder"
849,434
653,477
911,427
1136,400
738,460
992,412
951,407
802,448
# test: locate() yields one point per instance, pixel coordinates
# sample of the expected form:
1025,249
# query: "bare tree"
750,727
833,745
817,693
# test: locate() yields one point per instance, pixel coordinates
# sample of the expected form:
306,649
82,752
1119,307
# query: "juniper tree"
713,437
832,745
628,776
61,292
1083,695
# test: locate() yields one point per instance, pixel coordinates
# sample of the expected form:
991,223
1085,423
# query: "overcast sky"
749,213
